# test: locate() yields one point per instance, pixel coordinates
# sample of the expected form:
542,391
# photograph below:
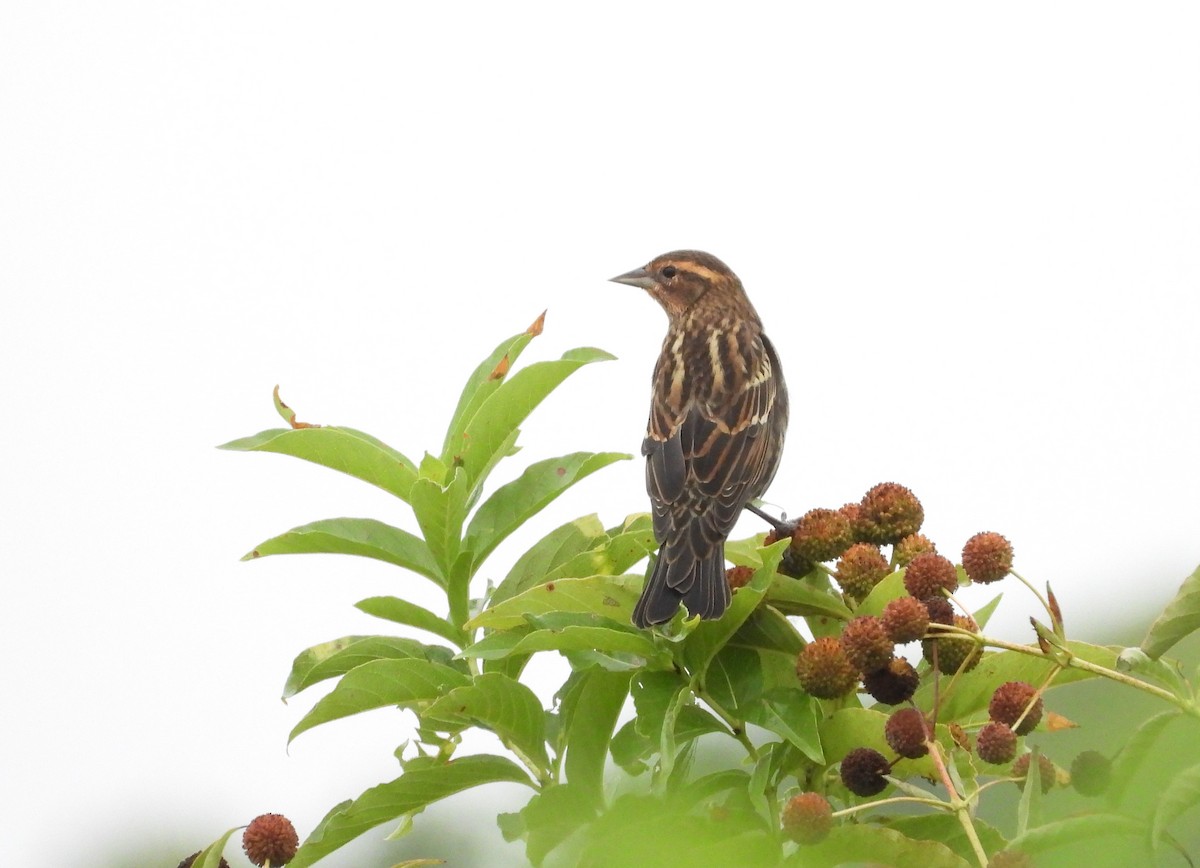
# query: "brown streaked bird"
718,413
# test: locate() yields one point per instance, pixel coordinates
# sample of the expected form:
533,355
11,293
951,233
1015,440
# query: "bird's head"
679,279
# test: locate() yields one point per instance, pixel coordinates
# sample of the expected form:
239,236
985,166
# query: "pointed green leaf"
547,554
793,715
407,683
865,843
331,659
548,819
891,587
440,513
807,599
212,855
1130,761
946,829
1080,828
589,712
513,504
734,679
497,702
484,380
364,537
709,636
1180,618
489,433
1182,793
576,637
403,612
410,792
343,449
609,596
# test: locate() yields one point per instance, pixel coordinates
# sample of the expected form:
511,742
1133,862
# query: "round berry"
996,744
905,619
1091,772
807,818
821,535
270,837
912,545
939,609
928,575
823,669
1009,702
905,733
863,771
866,644
1046,771
888,513
953,652
987,557
738,577
894,683
860,569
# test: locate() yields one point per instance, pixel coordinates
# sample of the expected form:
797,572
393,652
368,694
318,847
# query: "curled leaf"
287,413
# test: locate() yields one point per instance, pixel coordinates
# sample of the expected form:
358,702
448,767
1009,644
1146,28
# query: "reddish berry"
1009,702
823,669
996,744
939,609
987,557
912,545
1046,771
821,535
905,733
807,818
905,619
894,683
738,577
888,513
928,575
860,569
270,837
866,644
863,771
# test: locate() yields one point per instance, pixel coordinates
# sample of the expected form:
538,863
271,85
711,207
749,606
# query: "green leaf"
497,702
1080,828
848,728
708,637
1133,755
589,712
211,856
408,683
973,690
769,631
806,598
548,819
490,432
946,829
576,637
1182,793
484,380
865,843
609,596
547,555
331,659
794,716
1180,618
1165,671
403,612
513,504
343,449
890,588
653,693
734,679
365,537
440,512
412,791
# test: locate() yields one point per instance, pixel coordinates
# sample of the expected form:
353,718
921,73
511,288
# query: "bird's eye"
669,271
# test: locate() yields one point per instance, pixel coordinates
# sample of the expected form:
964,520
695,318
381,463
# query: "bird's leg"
782,527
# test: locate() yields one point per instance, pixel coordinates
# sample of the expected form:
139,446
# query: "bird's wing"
706,460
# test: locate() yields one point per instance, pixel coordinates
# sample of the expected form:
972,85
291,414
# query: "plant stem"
964,818
737,728
895,800
1045,604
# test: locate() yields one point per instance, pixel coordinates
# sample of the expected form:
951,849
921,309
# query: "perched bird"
718,413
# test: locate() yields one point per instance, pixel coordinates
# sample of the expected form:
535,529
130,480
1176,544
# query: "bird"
714,439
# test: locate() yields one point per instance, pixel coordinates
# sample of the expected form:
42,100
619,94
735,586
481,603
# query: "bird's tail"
679,575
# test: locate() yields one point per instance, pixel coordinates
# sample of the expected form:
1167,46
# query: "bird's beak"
638,277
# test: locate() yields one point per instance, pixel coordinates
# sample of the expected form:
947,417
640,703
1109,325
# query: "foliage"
613,764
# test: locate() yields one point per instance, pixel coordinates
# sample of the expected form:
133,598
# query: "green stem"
1045,603
964,818
737,728
895,800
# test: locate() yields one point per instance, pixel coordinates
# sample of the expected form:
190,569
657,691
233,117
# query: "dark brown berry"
863,771
270,837
738,577
939,609
987,557
821,535
1009,702
860,569
905,619
1091,772
905,733
996,744
823,669
928,575
866,644
191,860
954,652
912,545
807,818
1045,770
888,513
894,683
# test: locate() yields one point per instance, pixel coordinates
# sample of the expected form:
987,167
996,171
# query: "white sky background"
974,234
